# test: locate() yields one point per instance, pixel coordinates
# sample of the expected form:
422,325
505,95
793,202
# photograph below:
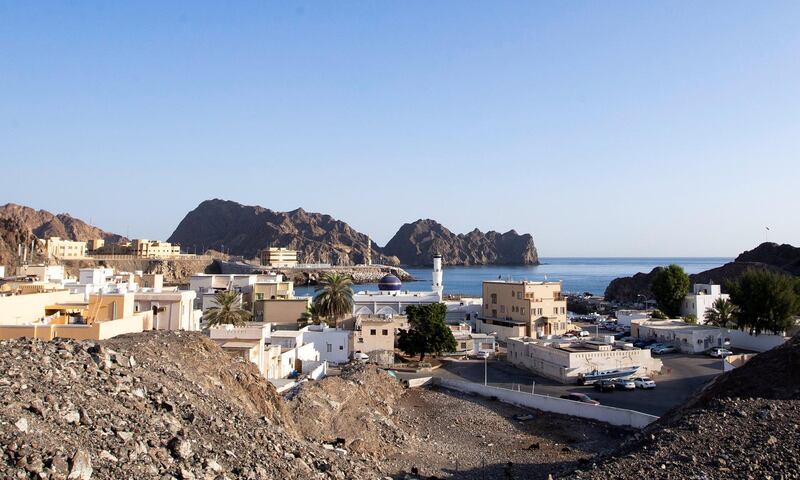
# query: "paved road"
682,375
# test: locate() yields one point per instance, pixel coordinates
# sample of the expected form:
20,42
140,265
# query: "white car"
483,354
718,352
584,334
645,383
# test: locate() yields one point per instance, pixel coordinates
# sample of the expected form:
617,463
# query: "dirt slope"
152,405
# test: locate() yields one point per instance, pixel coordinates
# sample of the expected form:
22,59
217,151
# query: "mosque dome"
389,283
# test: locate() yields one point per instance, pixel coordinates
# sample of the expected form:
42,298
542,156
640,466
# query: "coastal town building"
625,317
691,338
375,336
172,310
522,309
153,249
62,249
700,299
44,273
334,345
95,244
470,343
278,257
570,361
208,285
391,299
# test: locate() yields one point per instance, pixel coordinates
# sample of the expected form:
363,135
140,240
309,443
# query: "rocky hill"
745,425
20,224
416,243
767,256
244,230
319,238
157,405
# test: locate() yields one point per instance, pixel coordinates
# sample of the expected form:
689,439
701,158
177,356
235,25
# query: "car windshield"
646,379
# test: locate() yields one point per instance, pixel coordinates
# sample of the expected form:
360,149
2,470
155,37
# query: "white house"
701,298
698,338
332,344
172,310
624,317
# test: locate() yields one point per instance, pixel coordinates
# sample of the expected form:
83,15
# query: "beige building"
375,335
278,257
95,244
154,249
59,248
522,309
273,301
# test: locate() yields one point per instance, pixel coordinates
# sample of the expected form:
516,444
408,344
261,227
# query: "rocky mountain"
20,224
244,230
744,425
767,256
416,243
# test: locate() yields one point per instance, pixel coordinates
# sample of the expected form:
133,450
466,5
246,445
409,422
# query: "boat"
595,375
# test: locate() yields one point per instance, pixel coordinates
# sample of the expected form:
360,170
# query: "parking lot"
681,376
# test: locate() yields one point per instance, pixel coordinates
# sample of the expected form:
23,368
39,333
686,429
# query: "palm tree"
722,313
334,298
310,315
228,310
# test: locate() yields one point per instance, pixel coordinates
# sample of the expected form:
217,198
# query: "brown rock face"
416,243
20,224
244,230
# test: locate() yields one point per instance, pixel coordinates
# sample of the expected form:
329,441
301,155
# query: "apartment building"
154,249
60,248
278,257
522,309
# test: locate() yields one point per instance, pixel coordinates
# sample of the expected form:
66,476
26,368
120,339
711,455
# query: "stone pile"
159,405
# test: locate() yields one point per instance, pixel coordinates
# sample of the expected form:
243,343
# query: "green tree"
334,296
766,301
310,315
691,318
658,315
722,313
228,310
427,333
670,285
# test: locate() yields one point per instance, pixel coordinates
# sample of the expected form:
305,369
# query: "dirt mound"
356,407
151,405
745,425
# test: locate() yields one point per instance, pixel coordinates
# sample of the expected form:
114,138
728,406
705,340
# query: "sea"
577,274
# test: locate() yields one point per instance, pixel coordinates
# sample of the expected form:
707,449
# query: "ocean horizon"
578,274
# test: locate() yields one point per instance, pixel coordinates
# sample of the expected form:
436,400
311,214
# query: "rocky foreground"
745,425
154,405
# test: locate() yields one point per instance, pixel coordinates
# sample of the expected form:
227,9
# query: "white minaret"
437,285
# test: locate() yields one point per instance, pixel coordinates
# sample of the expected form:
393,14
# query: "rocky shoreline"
301,276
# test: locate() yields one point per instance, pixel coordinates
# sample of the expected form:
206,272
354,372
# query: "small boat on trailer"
595,375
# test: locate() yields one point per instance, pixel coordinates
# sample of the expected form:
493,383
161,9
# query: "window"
502,309
513,294
259,296
372,331
555,310
519,295
494,298
328,347
360,339
463,345
384,332
341,347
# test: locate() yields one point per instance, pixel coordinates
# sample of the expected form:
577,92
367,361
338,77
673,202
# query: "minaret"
369,252
437,284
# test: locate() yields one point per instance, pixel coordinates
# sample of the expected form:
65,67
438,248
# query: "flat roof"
523,282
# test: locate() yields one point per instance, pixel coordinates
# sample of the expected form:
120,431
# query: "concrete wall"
315,370
756,343
22,309
602,413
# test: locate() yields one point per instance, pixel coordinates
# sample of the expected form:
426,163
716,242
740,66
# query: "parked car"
654,345
643,343
623,384
483,354
718,352
604,385
645,383
664,349
584,334
580,397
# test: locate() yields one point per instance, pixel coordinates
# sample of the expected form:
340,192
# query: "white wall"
333,345
756,343
611,415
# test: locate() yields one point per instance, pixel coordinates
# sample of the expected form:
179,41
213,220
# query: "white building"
172,310
465,309
624,317
333,344
391,299
2,271
566,361
701,298
45,273
206,285
691,338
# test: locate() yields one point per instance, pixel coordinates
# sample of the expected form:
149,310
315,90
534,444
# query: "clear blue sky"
602,128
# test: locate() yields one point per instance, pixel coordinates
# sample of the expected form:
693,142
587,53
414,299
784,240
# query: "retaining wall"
612,415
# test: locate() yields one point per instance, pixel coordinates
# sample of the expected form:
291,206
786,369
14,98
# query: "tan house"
375,336
522,309
278,257
59,248
274,302
154,249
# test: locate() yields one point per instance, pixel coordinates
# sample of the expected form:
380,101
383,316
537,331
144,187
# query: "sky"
602,128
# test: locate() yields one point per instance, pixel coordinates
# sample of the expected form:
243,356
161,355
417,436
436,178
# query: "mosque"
391,299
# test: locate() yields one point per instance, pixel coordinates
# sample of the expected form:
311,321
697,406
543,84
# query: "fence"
612,415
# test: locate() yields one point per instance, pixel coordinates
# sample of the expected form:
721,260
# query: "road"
681,376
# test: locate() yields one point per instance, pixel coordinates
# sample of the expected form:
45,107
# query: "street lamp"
486,371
